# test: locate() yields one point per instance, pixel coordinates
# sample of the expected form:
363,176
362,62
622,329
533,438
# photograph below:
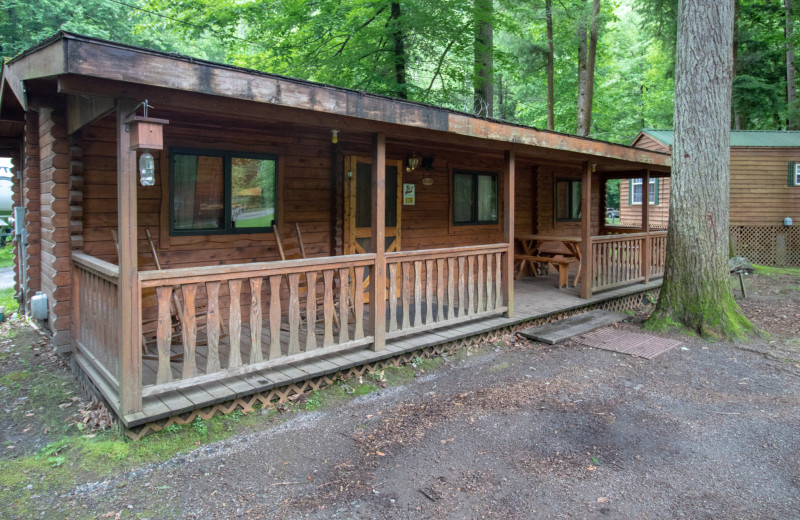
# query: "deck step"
561,330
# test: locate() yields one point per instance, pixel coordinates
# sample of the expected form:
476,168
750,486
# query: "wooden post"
130,366
508,230
645,256
586,232
377,288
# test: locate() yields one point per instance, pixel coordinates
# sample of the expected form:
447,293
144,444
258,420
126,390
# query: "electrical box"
19,220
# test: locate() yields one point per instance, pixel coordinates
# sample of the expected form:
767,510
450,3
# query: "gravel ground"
524,431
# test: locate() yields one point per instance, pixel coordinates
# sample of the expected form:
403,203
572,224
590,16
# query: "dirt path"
523,431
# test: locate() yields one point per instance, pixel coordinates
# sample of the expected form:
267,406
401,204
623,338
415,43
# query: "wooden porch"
438,296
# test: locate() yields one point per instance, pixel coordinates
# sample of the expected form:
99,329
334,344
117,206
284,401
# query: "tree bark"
484,59
737,116
586,59
791,122
551,99
399,52
696,290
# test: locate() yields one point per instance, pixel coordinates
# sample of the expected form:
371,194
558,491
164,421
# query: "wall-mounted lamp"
146,133
413,162
334,136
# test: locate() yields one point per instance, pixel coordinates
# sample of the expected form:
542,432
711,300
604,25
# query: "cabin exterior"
764,192
275,204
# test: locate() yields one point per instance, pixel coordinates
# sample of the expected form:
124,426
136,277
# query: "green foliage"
8,301
7,256
777,271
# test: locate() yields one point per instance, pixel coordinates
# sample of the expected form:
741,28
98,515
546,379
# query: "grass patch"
8,301
767,270
499,367
7,256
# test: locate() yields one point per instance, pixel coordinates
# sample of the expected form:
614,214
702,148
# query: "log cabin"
764,192
204,234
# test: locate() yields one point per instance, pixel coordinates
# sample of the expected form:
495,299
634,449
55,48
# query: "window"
221,192
474,198
636,191
794,174
568,200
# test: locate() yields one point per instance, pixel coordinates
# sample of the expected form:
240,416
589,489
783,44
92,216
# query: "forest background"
598,68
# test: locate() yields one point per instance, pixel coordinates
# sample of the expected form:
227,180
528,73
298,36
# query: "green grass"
7,256
7,300
777,271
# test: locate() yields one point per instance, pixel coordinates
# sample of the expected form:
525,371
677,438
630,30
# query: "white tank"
39,306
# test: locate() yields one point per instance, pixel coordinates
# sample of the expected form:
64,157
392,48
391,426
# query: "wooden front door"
358,205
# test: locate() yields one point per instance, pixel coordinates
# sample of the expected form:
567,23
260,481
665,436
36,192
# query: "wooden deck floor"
534,298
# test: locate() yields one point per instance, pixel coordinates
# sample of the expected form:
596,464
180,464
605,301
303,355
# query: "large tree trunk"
586,58
551,98
399,51
737,116
484,58
696,291
791,122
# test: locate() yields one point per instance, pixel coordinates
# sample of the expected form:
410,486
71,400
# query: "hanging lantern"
146,133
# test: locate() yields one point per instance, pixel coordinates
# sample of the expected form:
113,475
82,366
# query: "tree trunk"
586,58
399,52
791,122
551,98
737,116
696,290
484,58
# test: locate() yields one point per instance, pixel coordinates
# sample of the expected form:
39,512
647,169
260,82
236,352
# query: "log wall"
54,181
631,214
31,201
760,192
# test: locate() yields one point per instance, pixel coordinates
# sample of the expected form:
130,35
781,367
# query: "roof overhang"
69,55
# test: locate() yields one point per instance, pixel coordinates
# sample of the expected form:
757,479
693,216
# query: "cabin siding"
31,201
760,194
631,214
54,189
648,143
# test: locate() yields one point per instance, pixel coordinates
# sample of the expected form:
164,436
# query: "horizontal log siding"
760,194
54,186
631,214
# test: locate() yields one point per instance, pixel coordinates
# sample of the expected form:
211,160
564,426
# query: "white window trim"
797,174
634,183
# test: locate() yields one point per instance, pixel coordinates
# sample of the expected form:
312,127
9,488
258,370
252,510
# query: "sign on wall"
409,195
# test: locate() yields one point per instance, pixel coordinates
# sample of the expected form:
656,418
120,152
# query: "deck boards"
534,298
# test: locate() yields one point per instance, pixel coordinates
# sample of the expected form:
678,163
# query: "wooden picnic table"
532,247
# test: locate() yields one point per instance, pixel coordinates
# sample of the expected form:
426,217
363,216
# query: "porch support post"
645,256
586,232
508,230
377,288
130,333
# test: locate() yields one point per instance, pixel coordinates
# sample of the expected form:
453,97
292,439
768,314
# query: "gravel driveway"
526,431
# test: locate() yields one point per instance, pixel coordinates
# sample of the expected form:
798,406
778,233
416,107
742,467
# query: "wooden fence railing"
438,287
95,318
618,259
658,253
254,316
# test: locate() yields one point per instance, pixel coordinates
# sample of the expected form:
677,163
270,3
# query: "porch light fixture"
146,133
334,136
413,162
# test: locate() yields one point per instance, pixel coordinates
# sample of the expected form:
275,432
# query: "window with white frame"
797,174
636,191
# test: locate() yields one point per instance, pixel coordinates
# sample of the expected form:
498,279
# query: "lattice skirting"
275,396
767,245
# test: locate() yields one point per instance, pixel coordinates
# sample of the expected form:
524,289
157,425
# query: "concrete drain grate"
635,344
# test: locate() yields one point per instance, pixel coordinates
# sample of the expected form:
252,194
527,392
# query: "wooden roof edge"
94,57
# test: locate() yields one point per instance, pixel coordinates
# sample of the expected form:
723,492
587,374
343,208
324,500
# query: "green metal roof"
765,138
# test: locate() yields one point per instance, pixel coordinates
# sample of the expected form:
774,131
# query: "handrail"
230,272
433,254
99,267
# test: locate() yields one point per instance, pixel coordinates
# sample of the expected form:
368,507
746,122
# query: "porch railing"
236,302
205,324
445,285
95,317
620,259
